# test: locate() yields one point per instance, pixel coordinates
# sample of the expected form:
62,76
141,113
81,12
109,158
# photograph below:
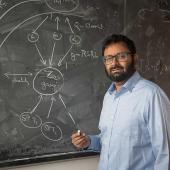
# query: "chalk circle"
30,120
62,5
51,131
33,37
48,81
75,39
57,36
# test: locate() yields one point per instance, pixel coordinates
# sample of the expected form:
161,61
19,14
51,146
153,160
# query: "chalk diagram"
49,80
160,11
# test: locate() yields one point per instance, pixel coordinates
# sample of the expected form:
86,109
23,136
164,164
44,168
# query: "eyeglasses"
122,57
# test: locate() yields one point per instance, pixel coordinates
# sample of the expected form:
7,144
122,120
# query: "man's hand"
80,140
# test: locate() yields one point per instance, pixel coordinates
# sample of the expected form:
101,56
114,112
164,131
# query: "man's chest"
123,115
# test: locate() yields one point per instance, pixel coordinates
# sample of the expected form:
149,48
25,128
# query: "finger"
78,136
83,144
79,142
74,135
75,138
78,139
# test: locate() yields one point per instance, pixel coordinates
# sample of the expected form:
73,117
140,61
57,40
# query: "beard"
122,74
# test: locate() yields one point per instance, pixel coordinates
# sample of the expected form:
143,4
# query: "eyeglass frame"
115,57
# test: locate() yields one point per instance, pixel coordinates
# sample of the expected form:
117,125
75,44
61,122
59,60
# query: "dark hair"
117,38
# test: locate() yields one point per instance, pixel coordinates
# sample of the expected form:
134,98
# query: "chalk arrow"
40,24
58,20
52,55
40,98
42,60
68,21
69,114
61,59
14,74
52,101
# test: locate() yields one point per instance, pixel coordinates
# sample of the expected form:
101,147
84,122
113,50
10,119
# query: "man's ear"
136,58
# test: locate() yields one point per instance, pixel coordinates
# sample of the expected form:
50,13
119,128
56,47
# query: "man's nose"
114,62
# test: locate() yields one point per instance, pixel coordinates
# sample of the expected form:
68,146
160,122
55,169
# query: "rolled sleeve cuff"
95,143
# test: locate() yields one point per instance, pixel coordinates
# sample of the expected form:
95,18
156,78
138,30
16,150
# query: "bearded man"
135,118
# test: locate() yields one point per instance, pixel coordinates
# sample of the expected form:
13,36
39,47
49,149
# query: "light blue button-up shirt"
135,127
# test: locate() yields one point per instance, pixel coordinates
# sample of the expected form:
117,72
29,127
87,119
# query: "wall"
89,163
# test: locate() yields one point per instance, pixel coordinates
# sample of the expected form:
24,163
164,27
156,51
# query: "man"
135,118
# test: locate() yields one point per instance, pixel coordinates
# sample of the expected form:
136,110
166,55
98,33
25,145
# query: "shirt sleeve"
95,142
159,129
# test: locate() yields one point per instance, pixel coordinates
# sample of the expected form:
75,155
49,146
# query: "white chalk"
78,131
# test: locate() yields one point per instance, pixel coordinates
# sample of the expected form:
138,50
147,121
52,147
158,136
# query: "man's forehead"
116,48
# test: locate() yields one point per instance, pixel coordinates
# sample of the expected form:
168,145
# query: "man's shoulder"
148,86
148,83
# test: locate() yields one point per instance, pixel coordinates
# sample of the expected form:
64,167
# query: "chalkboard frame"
47,158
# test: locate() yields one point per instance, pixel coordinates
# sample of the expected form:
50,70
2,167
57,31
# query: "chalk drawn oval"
33,37
57,36
51,131
48,81
62,5
30,120
75,39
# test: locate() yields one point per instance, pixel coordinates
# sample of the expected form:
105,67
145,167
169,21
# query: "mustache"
116,67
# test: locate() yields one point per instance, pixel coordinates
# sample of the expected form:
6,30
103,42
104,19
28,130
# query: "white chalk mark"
67,11
58,20
42,60
2,4
62,101
33,110
46,13
42,87
163,10
16,6
67,111
78,132
50,127
14,74
61,60
52,55
72,118
30,120
40,24
21,80
68,21
52,101
66,65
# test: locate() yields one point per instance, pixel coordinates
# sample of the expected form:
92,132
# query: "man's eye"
122,56
109,59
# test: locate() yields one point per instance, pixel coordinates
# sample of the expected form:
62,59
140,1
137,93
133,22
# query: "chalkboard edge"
47,158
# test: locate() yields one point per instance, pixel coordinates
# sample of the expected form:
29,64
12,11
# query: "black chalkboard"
52,80
148,24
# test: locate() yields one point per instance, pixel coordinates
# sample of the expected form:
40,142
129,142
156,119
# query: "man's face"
119,71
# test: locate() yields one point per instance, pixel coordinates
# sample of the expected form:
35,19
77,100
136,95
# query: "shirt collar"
130,83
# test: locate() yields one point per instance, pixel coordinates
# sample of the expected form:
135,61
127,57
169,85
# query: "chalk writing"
88,25
2,4
84,54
